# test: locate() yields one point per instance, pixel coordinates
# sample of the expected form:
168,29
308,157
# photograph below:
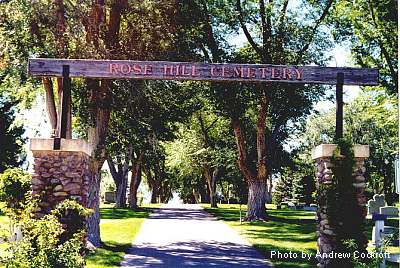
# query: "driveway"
187,236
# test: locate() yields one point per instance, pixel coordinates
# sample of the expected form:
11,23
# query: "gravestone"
291,205
109,197
389,211
312,207
376,203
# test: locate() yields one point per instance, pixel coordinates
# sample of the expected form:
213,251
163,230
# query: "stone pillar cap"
326,150
67,145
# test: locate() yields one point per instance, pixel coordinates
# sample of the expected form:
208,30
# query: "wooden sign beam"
162,70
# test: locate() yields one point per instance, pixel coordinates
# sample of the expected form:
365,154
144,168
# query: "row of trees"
188,135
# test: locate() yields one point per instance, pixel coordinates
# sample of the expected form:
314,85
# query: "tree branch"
269,23
261,145
264,25
246,31
382,46
117,7
211,42
113,171
313,31
283,12
242,157
280,33
205,52
203,130
50,103
125,168
212,124
60,28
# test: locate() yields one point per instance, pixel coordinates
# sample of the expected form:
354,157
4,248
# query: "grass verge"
118,228
289,232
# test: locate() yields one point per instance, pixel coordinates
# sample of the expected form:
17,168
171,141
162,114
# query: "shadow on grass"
284,238
112,253
288,216
109,255
285,231
124,213
289,213
225,214
284,257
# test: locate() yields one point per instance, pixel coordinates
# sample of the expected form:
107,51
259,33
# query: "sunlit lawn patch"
286,231
118,228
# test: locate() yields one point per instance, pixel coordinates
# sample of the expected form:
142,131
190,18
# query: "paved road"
187,236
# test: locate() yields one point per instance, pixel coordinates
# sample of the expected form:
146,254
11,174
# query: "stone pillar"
60,174
326,234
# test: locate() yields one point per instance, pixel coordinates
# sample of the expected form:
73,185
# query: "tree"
304,188
140,123
370,29
273,112
284,187
156,173
11,140
119,172
203,150
85,30
369,119
281,35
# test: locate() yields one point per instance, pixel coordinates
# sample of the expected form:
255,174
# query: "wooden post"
339,106
65,96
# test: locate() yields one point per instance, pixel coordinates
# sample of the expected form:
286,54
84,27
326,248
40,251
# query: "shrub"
46,243
72,215
14,188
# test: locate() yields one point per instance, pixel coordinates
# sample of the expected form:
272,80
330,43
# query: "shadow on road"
193,254
181,214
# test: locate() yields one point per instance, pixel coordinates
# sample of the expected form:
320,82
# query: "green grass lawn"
286,231
118,228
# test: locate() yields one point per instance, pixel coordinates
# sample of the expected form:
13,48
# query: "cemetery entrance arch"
62,165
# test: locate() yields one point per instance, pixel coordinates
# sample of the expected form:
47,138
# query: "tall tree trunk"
120,195
257,182
211,182
256,200
119,173
204,192
96,137
258,187
213,189
165,191
135,181
120,178
154,195
93,221
153,184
